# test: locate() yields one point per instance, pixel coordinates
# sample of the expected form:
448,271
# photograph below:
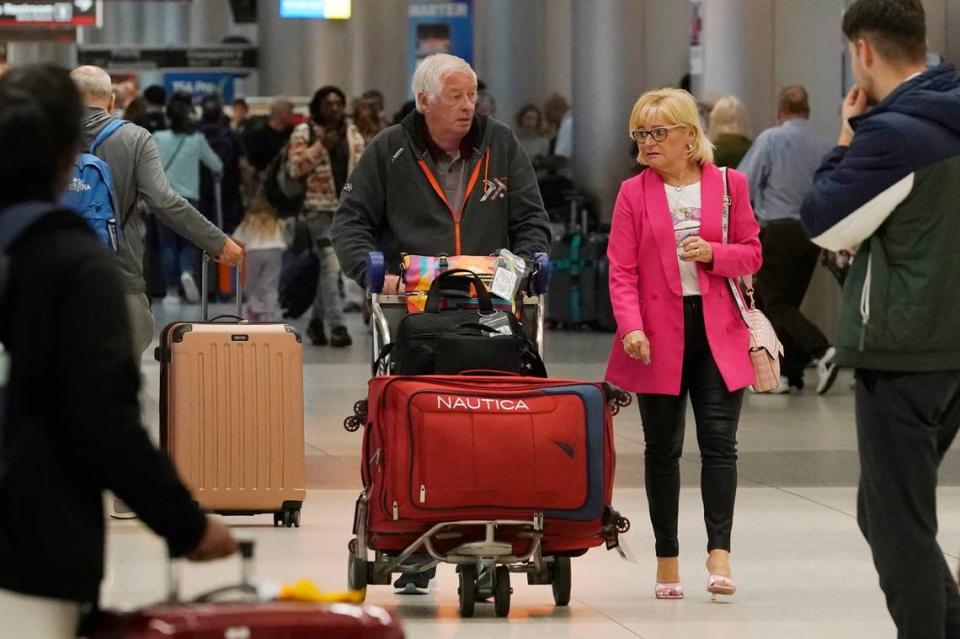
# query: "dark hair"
794,100
529,106
405,110
320,96
896,28
135,109
376,96
211,109
180,116
241,102
40,112
155,95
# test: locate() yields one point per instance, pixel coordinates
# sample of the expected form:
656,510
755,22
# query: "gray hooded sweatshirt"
137,173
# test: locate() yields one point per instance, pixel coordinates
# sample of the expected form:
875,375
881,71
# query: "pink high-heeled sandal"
720,585
669,590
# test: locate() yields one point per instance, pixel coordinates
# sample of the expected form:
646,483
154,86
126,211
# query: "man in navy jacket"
890,193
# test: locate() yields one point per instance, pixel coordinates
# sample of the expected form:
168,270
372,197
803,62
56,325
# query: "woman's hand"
637,346
696,249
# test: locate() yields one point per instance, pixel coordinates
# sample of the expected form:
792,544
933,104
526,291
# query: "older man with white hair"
444,180
134,162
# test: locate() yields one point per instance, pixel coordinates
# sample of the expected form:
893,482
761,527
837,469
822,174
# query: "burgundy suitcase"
210,617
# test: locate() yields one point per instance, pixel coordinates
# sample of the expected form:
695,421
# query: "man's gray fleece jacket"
389,203
137,172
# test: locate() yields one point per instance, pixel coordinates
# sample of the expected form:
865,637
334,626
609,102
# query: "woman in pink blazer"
679,330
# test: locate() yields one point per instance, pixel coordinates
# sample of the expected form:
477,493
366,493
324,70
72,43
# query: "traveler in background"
679,332
890,190
486,105
324,151
137,170
531,135
240,115
559,117
182,150
264,143
154,119
729,131
375,96
135,110
261,235
367,119
226,143
72,424
779,167
439,165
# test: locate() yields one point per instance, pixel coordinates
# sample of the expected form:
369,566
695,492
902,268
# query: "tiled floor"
800,563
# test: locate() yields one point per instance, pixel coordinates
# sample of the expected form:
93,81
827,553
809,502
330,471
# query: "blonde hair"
728,116
260,221
677,107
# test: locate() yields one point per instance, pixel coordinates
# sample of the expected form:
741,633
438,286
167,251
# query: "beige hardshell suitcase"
231,413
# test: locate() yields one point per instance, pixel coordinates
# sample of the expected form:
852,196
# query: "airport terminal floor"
799,561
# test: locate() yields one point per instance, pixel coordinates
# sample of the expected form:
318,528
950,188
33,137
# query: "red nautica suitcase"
237,613
445,448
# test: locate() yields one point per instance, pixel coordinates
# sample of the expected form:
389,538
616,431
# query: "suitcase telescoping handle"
205,289
246,577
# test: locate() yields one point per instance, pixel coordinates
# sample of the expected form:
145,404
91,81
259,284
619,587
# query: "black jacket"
73,427
389,204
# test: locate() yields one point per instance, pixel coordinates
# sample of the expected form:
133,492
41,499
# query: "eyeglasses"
659,134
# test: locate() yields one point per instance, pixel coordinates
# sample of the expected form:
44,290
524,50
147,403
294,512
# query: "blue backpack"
91,192
13,223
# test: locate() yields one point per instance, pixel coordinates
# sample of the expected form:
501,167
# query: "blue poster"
201,84
439,26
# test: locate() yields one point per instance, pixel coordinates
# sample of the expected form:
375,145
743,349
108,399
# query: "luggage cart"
484,559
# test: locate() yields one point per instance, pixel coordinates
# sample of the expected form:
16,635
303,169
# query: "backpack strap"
105,133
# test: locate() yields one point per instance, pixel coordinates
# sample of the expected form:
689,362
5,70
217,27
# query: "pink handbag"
765,348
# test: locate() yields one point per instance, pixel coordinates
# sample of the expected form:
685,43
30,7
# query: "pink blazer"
645,284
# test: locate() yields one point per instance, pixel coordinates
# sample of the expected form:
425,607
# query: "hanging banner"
200,85
439,26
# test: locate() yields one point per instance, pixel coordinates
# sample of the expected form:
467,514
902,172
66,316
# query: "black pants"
905,424
789,258
717,412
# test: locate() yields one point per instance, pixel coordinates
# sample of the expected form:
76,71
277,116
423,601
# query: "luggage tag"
499,322
620,544
506,280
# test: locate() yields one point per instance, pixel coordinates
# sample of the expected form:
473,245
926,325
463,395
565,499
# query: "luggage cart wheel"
356,572
468,590
562,580
502,592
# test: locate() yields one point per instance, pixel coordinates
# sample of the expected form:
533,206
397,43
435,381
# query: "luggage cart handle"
205,289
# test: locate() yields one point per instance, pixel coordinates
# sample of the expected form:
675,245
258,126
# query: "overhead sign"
327,9
47,14
200,85
127,58
439,26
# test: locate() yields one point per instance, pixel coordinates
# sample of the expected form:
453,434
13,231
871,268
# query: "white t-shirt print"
686,211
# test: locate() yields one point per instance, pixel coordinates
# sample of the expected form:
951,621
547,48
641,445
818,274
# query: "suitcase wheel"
502,592
352,424
467,590
287,518
562,580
